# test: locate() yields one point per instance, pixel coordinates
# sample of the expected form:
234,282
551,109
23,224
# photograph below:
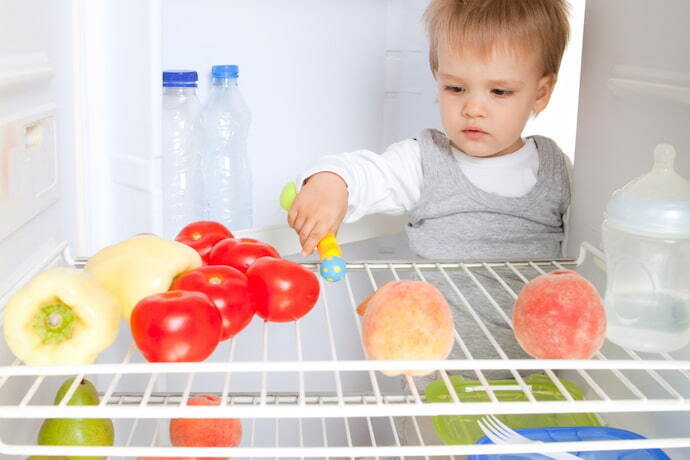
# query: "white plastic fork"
499,433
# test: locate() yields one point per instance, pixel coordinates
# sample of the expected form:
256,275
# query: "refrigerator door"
38,122
635,94
39,151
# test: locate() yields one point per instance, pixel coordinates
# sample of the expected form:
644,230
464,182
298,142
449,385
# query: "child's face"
487,100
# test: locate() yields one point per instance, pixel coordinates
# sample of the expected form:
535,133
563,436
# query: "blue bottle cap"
180,78
225,71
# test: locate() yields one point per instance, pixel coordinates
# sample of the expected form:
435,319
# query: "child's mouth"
474,133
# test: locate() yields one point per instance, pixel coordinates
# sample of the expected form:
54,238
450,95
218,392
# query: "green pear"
77,431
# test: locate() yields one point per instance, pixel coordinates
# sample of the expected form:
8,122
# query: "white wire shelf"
311,377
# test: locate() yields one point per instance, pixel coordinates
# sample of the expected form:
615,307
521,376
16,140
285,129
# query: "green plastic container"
463,429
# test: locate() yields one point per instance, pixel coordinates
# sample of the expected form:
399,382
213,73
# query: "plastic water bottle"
182,186
646,237
226,168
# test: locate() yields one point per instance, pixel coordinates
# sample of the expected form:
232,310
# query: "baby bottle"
646,235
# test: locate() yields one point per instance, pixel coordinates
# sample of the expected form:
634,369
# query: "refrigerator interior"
80,144
319,78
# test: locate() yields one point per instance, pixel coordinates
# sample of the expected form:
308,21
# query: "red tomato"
176,326
240,253
227,288
202,236
282,290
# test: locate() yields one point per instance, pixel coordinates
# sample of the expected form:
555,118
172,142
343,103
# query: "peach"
559,315
166,458
407,320
205,432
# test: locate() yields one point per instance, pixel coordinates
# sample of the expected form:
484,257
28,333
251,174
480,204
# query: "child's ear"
544,91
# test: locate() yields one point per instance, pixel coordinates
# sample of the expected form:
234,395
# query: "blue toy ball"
333,268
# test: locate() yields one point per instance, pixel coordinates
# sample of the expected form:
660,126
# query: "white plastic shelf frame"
305,389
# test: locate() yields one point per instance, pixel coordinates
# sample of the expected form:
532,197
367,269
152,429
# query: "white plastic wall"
311,72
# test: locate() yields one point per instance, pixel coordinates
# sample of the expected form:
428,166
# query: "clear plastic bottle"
646,234
182,186
226,167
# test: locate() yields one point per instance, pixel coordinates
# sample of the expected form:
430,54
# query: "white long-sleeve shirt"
391,182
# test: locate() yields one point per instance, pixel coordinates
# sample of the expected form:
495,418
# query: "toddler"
477,190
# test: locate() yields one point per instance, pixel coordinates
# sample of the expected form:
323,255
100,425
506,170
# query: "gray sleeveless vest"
454,219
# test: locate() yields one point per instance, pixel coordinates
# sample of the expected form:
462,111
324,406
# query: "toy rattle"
332,266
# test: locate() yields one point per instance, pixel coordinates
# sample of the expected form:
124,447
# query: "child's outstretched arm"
319,208
348,186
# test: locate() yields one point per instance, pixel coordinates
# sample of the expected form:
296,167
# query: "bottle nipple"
664,156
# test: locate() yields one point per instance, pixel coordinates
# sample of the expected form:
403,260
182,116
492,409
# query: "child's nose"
473,108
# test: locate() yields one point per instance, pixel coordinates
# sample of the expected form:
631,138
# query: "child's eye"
502,92
455,89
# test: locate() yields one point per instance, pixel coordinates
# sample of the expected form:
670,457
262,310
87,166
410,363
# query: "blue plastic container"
579,433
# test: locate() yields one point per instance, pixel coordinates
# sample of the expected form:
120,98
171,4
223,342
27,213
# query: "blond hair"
482,24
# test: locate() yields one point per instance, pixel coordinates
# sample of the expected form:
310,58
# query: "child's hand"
319,208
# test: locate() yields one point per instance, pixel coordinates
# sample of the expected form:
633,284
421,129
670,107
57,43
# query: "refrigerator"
80,169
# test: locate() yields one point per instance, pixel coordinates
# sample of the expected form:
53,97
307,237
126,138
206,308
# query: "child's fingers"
300,221
313,239
292,213
310,245
295,218
306,230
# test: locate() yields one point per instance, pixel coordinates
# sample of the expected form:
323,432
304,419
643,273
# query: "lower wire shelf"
305,389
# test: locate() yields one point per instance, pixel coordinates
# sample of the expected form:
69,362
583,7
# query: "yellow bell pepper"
63,316
141,266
